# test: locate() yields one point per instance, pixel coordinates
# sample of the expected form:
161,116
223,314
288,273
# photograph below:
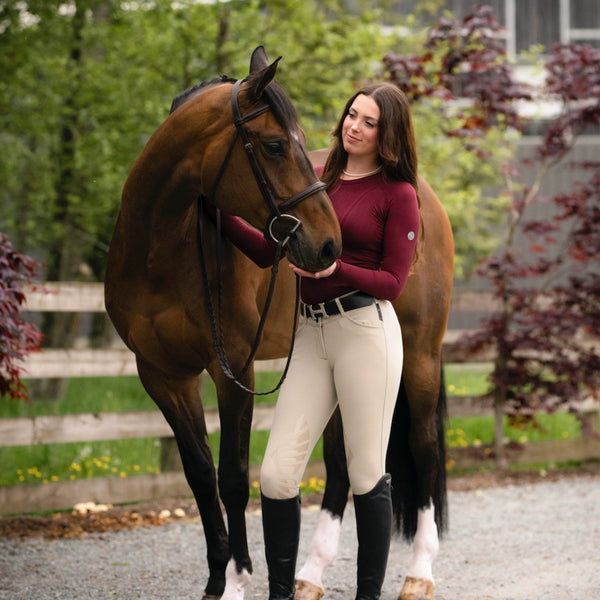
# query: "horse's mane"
274,95
192,92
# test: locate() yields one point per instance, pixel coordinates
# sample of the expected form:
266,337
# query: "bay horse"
154,297
237,144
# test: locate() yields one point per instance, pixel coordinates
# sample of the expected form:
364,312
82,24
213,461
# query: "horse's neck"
157,192
159,211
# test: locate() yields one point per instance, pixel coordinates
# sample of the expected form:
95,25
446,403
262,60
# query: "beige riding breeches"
353,359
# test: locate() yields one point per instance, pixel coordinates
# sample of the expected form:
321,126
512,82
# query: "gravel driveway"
533,542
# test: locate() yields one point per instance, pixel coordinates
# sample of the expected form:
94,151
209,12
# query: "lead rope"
216,324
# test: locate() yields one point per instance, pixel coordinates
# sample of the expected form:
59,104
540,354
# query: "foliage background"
86,82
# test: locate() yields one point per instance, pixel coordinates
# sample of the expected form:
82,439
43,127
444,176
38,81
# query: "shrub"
17,336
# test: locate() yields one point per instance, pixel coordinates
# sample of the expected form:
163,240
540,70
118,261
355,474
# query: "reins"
277,212
216,323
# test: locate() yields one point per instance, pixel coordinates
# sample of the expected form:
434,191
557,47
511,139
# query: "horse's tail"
408,494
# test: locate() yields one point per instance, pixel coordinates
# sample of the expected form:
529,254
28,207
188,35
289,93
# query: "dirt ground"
151,514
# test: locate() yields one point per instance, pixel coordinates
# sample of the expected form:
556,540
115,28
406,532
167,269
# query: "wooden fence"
75,297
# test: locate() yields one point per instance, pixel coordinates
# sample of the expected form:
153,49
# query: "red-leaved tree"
17,336
545,331
464,64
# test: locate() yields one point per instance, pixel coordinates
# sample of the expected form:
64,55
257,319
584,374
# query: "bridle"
277,212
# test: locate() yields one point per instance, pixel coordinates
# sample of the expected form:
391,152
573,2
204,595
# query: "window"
545,22
537,22
583,26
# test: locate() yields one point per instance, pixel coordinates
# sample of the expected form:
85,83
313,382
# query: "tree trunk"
499,449
60,329
221,58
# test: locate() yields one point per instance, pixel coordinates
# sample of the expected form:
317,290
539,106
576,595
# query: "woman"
348,349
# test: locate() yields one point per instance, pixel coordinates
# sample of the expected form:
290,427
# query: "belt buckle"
320,312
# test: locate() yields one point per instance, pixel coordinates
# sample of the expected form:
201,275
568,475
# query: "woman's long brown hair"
397,148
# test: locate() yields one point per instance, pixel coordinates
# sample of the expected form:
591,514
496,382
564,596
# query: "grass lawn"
123,458
54,462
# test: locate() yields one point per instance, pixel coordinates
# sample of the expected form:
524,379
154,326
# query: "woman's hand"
318,275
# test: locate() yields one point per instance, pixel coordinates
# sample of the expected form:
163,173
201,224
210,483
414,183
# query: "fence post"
170,459
589,423
501,460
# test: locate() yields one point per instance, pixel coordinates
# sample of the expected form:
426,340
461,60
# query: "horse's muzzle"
310,258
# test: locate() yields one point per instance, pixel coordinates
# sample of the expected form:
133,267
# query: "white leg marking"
235,583
323,548
425,546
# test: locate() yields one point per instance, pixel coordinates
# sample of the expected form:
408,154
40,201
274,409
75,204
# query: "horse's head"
258,168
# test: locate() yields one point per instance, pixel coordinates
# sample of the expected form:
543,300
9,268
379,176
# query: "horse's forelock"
282,107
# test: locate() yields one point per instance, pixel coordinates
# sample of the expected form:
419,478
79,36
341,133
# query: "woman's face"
360,128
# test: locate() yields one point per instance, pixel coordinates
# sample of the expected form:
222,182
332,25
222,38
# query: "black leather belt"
329,308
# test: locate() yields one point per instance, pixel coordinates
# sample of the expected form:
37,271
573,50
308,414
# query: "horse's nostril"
328,252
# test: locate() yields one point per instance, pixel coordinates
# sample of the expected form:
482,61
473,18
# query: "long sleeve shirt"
379,221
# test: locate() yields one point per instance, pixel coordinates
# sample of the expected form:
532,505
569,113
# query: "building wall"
527,23
558,180
530,23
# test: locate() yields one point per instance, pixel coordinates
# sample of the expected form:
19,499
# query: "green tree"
83,89
86,83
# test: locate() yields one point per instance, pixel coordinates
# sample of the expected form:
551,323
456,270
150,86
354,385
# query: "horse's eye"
276,148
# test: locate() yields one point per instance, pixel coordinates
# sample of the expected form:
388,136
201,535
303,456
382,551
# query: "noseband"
278,211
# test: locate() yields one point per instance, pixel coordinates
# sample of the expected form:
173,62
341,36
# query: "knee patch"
284,463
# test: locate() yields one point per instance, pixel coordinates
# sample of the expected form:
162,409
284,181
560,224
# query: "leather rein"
278,212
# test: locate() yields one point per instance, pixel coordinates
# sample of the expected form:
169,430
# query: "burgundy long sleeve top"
379,221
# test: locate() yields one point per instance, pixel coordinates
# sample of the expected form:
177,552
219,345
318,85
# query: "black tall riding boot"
374,528
281,530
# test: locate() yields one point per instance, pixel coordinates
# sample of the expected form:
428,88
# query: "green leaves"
83,89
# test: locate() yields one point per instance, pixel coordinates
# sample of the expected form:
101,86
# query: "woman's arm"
249,240
399,241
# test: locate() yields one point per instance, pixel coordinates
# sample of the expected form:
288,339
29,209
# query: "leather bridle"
277,212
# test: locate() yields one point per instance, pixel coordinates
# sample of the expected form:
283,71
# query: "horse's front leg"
324,544
179,400
235,412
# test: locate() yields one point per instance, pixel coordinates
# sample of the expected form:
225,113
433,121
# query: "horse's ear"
261,72
258,60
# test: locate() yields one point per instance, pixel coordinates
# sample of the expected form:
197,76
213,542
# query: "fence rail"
76,297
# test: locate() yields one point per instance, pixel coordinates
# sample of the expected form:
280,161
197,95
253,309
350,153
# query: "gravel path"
531,542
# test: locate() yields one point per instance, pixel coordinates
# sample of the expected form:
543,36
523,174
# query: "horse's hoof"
416,588
305,590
